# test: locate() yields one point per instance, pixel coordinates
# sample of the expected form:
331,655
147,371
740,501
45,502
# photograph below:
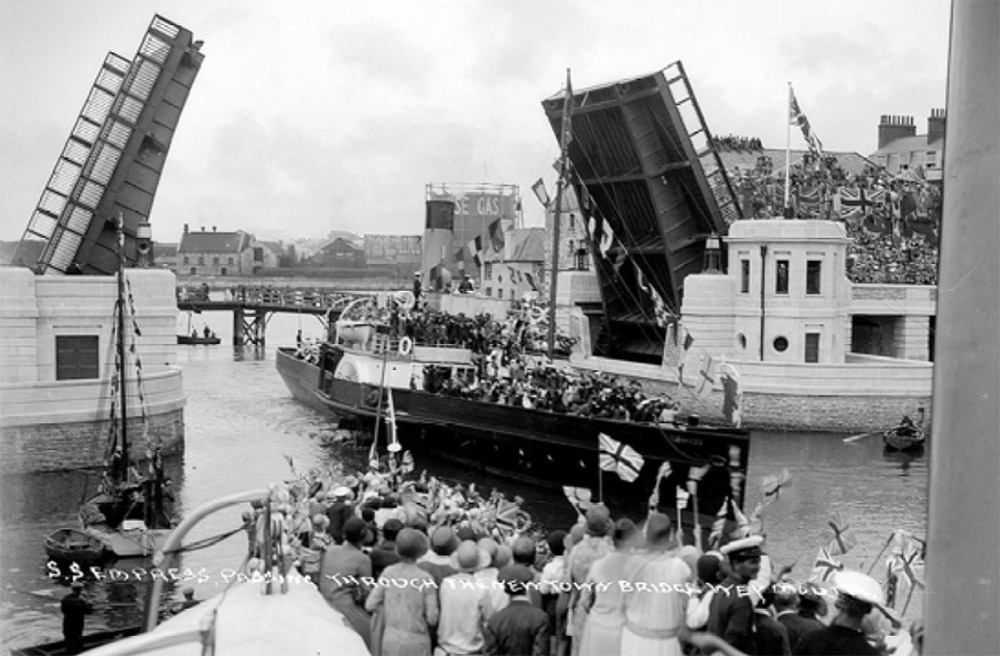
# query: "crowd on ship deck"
893,220
417,566
526,382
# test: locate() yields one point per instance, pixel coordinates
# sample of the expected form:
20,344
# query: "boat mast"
120,310
564,138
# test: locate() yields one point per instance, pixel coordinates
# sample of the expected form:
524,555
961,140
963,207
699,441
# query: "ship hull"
536,446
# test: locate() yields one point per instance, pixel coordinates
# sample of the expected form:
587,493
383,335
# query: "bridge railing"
262,295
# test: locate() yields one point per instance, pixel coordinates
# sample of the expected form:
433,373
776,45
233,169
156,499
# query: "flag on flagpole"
541,193
796,117
719,525
619,458
373,454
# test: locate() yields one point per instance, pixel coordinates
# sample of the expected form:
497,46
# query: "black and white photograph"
454,327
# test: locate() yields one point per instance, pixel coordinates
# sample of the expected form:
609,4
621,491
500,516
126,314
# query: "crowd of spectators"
893,220
417,566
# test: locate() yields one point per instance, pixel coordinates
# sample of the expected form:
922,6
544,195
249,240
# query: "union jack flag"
619,458
855,204
796,117
903,566
843,535
719,525
825,565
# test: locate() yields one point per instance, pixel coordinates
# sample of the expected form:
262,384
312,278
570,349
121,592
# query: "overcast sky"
312,116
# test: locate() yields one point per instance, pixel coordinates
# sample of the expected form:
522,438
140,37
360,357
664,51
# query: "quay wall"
867,394
43,447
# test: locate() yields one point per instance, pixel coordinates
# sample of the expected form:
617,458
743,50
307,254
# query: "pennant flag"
662,473
540,193
843,535
496,236
825,566
688,341
660,308
607,238
578,497
531,281
475,247
619,458
373,455
796,117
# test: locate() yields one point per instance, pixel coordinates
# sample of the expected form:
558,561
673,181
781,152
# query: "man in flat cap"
731,615
857,595
74,609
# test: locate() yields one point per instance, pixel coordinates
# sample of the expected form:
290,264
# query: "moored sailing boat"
128,515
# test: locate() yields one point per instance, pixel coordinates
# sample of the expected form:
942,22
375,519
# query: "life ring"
536,314
405,346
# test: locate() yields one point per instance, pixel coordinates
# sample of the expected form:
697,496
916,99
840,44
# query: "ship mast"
565,134
120,310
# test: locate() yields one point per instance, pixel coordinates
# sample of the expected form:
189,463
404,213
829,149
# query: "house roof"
528,245
852,163
164,249
341,244
917,142
213,242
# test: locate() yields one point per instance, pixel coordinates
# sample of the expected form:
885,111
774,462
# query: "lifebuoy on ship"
405,346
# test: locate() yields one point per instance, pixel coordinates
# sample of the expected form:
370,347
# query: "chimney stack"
935,126
893,127
186,228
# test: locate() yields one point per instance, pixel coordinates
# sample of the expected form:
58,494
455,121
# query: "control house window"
812,347
744,276
814,271
781,277
76,357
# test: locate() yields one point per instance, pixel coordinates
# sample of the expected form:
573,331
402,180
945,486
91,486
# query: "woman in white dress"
602,633
656,602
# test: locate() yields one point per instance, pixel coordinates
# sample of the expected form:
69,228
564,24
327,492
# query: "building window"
489,291
781,277
194,270
931,161
744,276
814,270
76,357
741,339
780,344
186,260
812,347
229,261
223,271
215,261
500,292
488,270
201,259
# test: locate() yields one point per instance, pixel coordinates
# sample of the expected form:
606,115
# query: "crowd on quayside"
893,221
419,567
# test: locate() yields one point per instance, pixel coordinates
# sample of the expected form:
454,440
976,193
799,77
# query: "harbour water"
242,427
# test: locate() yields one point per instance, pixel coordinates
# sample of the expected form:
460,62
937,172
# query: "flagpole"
680,530
600,482
788,148
564,133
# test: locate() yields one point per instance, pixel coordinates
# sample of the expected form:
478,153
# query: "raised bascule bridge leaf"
112,162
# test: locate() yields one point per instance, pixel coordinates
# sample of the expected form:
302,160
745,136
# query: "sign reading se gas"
485,205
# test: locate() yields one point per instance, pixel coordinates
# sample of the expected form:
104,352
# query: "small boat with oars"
907,436
73,545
